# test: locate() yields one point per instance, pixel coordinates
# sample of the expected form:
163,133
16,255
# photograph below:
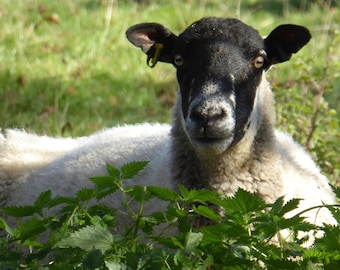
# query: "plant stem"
140,213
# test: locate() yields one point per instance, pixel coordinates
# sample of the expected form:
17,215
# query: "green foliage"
88,238
309,99
236,232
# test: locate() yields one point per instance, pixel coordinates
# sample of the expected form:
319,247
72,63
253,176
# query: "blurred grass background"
66,68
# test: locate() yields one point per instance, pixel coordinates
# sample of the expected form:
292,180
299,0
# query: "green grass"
67,69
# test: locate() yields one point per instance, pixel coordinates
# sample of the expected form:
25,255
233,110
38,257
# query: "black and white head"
220,66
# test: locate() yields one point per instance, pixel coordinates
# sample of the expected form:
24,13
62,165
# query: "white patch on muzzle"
210,121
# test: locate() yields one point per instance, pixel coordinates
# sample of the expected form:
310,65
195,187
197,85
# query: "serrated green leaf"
134,260
85,194
10,256
4,226
100,194
43,199
30,228
113,171
89,238
115,266
284,223
19,211
139,193
244,202
329,258
61,200
215,233
159,217
208,262
277,206
164,194
289,206
68,208
130,170
184,192
38,255
207,212
336,190
331,238
335,213
105,185
192,240
240,250
102,181
171,242
93,260
204,195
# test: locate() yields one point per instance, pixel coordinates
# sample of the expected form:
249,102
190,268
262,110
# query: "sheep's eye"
178,60
259,61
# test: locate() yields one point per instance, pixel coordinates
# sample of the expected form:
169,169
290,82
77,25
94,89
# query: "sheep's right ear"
285,40
154,39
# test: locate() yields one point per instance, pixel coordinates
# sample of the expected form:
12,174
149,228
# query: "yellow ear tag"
152,61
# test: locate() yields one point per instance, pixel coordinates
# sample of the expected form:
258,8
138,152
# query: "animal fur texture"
222,136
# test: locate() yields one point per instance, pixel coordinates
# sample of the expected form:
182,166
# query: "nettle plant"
82,232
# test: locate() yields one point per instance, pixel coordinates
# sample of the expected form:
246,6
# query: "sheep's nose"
203,116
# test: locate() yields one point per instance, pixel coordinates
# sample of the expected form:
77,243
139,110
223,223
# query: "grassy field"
66,68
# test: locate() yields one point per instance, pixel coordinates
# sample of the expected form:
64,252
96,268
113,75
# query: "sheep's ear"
285,40
154,39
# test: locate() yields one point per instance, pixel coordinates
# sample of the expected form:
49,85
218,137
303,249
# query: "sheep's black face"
220,66
218,81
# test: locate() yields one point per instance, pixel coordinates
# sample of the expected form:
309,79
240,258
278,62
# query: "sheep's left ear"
154,39
285,40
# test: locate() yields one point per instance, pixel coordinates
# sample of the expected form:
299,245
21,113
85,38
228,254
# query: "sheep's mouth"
211,145
209,135
207,140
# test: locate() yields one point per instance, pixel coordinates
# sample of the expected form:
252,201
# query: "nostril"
197,116
217,114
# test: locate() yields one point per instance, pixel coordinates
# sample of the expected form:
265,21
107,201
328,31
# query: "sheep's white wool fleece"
297,167
31,164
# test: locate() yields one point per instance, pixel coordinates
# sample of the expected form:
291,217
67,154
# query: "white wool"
31,164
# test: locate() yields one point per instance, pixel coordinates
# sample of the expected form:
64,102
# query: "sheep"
222,135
